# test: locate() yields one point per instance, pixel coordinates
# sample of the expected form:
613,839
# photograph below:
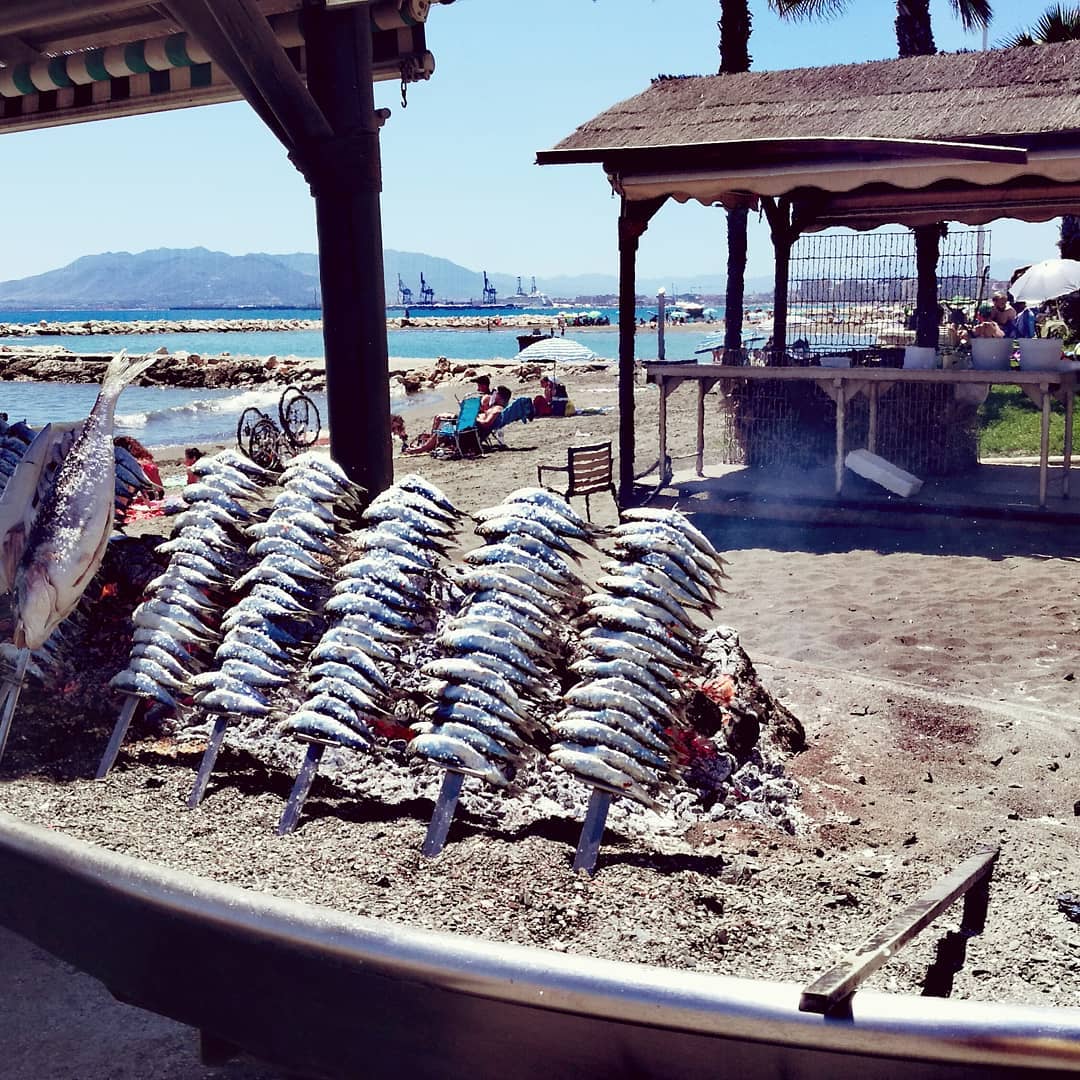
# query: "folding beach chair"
521,408
464,427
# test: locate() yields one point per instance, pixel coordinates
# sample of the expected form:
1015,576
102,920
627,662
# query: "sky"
459,175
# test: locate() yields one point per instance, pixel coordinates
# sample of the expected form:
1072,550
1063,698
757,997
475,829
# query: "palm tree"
735,25
1057,23
914,37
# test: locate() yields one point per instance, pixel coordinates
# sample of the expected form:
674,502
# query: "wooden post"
699,461
12,688
871,431
633,221
840,416
108,759
665,472
439,826
1066,460
592,831
301,788
206,766
927,246
345,177
1044,441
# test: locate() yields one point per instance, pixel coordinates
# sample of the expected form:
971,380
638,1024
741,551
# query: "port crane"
404,292
427,293
489,290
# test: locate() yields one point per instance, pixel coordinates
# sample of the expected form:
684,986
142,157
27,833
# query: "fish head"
37,606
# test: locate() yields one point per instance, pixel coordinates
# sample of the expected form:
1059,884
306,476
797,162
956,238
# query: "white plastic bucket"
920,357
991,354
1040,354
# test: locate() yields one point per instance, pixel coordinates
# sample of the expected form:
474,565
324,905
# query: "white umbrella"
556,349
1047,280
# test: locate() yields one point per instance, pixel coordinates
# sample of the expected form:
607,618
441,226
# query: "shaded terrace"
967,137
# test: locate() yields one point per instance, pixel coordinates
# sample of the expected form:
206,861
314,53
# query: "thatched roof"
843,127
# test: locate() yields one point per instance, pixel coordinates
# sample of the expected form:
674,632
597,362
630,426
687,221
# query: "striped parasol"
556,350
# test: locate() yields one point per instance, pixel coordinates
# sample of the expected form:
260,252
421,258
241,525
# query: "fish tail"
124,369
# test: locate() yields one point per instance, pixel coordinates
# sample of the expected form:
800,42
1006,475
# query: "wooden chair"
588,470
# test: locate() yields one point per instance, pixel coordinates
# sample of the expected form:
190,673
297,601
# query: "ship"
532,299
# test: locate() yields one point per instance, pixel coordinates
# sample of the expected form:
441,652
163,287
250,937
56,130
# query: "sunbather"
553,400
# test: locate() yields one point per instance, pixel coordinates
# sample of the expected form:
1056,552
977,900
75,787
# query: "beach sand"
936,674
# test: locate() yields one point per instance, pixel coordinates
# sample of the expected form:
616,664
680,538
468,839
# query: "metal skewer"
108,759
10,696
592,831
213,748
444,813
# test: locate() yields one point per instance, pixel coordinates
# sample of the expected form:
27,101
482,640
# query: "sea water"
159,416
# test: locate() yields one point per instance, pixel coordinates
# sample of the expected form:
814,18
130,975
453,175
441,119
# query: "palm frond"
808,9
973,14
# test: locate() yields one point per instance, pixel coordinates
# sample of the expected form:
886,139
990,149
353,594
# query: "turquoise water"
160,416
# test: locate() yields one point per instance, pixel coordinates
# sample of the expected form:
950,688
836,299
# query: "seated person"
986,325
483,388
397,430
425,443
486,420
552,400
191,455
1003,313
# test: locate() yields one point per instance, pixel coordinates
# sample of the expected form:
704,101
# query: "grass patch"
1010,423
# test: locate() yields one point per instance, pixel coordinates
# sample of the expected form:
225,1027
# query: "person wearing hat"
985,323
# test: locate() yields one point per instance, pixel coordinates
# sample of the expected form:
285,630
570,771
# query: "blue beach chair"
464,426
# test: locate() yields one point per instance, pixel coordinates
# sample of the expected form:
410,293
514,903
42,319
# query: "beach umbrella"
556,350
1047,280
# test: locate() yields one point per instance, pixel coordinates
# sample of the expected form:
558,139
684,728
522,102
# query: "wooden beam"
19,16
634,218
238,37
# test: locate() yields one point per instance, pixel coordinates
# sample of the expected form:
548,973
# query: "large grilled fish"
67,541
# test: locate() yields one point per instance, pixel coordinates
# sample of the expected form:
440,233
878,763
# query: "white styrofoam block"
889,476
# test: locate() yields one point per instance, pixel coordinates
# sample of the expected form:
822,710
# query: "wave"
233,405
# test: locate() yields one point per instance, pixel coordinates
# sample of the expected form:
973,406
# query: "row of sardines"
303,610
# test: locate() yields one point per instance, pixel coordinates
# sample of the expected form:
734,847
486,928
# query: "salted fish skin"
174,573
508,524
414,599
67,541
552,501
228,701
492,610
457,754
293,500
161,675
377,650
286,529
402,530
617,623
178,592
397,497
616,758
590,768
495,581
582,730
479,740
471,694
628,585
504,551
603,695
134,682
678,520
175,667
400,512
264,574
663,575
321,726
422,486
353,658
205,492
515,605
252,674
642,616
500,627
552,520
355,604
208,681
329,669
463,712
348,692
174,612
280,545
261,642
642,676
372,541
648,734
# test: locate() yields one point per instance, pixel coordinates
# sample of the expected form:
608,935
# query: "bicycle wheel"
246,425
264,445
299,417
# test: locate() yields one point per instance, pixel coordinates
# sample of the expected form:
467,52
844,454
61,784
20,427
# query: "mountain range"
197,278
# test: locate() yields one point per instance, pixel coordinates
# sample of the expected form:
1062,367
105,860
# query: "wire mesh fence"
924,428
855,290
